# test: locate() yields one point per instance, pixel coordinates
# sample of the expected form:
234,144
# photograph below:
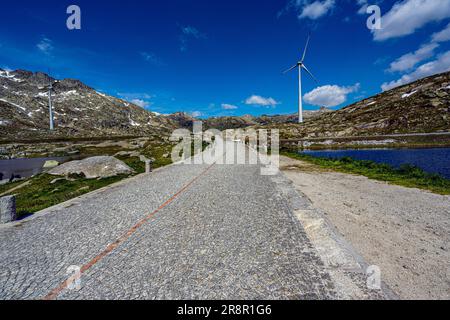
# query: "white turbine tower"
300,65
50,106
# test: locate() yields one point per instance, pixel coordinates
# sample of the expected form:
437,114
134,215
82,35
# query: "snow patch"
407,95
9,76
134,124
42,94
69,93
13,104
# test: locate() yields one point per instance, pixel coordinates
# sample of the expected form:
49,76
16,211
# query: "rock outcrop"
94,167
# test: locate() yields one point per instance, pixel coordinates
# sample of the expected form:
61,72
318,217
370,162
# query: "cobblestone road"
230,234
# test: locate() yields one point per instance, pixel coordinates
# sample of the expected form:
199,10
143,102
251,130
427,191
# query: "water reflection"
433,160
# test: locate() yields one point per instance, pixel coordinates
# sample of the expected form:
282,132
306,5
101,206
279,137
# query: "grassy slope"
406,175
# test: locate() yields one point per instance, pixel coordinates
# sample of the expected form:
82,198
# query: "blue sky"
214,58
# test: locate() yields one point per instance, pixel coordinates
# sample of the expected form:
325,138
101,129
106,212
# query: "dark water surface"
24,168
432,160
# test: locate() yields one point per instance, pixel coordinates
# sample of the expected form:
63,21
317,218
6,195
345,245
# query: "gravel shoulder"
404,231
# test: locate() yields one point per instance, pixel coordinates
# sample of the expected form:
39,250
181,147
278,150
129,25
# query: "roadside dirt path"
406,232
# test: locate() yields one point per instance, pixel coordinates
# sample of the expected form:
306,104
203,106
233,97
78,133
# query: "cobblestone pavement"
230,234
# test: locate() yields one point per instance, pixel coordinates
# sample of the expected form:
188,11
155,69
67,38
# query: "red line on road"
55,292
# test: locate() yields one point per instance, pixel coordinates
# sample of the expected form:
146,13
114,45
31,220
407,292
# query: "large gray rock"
95,167
7,209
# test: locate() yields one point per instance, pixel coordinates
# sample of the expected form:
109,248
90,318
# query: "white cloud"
408,61
406,16
363,6
316,9
45,46
442,36
141,103
441,64
196,114
261,101
131,96
329,95
227,106
139,99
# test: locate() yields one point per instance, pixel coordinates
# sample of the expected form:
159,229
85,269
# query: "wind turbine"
300,65
50,106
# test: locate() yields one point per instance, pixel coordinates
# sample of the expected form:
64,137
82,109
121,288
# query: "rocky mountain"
235,122
79,110
419,107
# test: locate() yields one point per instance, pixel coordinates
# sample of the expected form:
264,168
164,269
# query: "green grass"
407,175
41,193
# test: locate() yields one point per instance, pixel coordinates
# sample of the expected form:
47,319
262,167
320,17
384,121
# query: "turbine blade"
291,68
306,69
306,48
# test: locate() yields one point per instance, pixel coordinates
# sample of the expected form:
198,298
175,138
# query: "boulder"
7,209
94,167
50,164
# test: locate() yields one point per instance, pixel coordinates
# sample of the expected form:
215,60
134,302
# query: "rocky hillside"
234,122
420,107
78,110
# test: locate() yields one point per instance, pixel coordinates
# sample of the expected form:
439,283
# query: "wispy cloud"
410,60
187,33
364,4
441,64
45,46
139,99
309,9
407,62
442,36
141,103
329,95
316,9
196,114
407,16
256,100
227,106
151,58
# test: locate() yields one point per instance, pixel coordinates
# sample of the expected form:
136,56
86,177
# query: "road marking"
55,292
